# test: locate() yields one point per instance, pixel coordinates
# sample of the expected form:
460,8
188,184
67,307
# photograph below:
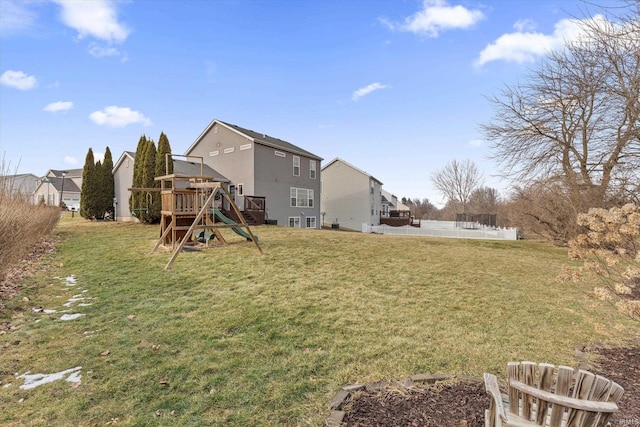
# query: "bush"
610,248
22,225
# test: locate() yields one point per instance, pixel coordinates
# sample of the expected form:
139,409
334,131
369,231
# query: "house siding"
123,180
346,196
274,180
260,170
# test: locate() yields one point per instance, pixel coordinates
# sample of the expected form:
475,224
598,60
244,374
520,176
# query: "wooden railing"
182,202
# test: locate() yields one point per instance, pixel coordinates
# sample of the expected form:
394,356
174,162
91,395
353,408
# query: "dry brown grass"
21,224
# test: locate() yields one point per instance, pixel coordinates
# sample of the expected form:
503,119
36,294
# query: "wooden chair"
543,395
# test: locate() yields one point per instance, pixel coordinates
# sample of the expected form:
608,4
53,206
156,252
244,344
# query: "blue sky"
396,88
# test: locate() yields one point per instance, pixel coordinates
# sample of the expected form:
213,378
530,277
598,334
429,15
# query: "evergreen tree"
148,181
87,195
136,197
98,191
108,186
164,148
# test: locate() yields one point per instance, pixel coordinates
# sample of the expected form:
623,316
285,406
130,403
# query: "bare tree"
484,200
457,181
576,120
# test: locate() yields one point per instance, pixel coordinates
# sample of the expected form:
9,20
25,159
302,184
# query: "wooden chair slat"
599,393
581,390
563,386
615,393
545,382
528,377
514,398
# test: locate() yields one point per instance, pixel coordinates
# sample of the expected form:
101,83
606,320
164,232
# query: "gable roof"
69,185
123,156
70,173
338,159
184,167
258,138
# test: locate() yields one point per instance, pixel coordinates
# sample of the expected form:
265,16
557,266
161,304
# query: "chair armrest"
491,386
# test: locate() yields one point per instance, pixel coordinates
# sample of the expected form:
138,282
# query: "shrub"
609,247
22,224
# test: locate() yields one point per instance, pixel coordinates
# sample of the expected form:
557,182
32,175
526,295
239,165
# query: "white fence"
444,229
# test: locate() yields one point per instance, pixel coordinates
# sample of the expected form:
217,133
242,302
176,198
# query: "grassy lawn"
231,337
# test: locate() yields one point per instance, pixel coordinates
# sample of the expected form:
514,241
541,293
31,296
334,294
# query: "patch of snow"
71,280
49,311
34,380
71,316
85,304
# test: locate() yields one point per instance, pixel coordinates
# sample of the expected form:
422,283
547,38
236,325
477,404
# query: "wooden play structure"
193,209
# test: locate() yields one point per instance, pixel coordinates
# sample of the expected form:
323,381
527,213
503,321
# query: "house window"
240,189
245,147
229,150
280,154
311,222
296,166
371,210
301,198
214,153
294,221
312,169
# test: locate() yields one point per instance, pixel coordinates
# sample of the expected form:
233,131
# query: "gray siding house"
263,166
350,196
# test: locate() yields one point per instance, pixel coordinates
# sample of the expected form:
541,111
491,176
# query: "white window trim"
312,169
245,147
229,150
240,189
214,153
296,164
294,218
315,222
309,197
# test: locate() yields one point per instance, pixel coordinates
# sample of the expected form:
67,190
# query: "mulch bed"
462,403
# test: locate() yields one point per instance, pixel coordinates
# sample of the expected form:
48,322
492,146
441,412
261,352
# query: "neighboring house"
59,186
122,181
23,184
259,165
350,196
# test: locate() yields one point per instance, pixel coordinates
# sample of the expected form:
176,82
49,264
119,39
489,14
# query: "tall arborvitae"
87,195
137,197
164,148
107,185
148,181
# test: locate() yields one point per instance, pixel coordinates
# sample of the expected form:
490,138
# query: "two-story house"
60,186
257,164
350,196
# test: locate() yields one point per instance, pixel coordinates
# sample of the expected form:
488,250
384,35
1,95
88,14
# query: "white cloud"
118,117
524,45
367,90
71,161
95,18
523,25
476,142
15,16
437,16
18,80
55,107
100,51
